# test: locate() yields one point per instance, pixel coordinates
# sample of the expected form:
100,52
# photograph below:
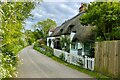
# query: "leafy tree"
65,43
30,37
13,15
44,27
38,34
106,17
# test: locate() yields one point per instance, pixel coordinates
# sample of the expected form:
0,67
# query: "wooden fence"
107,58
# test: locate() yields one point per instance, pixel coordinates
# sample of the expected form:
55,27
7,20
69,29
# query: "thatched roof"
52,30
71,23
55,32
67,26
84,34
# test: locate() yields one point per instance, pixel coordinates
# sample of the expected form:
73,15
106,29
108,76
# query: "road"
36,65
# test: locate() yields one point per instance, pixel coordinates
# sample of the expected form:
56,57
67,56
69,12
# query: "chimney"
82,8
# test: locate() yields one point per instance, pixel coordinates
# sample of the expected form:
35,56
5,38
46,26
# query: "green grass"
91,73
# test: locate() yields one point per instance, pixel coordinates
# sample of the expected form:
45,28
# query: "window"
70,28
49,41
80,52
74,45
87,47
89,51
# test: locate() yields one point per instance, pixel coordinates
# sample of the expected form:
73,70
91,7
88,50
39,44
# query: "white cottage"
74,40
53,40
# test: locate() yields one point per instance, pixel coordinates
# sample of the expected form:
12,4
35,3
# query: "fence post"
86,62
93,61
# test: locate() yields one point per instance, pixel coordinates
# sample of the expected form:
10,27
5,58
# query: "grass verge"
91,73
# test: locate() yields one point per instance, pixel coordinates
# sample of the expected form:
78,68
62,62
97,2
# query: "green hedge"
43,49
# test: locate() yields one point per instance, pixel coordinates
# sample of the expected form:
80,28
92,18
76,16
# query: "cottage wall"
50,38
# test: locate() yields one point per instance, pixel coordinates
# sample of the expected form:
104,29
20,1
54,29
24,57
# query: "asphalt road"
36,65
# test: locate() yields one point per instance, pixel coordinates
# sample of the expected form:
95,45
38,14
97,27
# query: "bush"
9,60
47,49
7,66
43,49
80,62
49,54
62,57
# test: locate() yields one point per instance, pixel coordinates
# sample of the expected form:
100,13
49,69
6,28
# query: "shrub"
80,62
62,56
43,49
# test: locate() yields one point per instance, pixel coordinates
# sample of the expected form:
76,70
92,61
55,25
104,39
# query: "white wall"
52,43
72,51
51,38
72,35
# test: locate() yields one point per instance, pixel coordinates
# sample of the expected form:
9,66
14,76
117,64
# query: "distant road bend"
36,65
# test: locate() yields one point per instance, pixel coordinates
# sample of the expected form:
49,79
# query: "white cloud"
28,22
38,15
58,11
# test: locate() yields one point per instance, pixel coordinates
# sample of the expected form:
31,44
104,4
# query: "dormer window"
74,31
71,26
61,30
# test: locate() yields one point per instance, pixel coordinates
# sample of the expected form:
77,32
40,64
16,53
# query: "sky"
59,11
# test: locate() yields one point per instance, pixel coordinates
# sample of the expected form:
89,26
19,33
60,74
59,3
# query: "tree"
13,15
30,37
44,27
106,17
38,34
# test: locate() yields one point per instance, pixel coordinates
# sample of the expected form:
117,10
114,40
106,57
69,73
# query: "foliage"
43,49
80,62
12,19
37,34
47,49
62,56
65,43
44,27
105,16
37,47
116,33
30,37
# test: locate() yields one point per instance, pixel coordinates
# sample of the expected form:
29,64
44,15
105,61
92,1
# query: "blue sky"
58,11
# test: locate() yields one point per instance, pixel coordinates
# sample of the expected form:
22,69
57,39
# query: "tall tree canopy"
30,36
45,26
106,17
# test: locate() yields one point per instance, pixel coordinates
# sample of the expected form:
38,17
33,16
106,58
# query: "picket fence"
88,63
